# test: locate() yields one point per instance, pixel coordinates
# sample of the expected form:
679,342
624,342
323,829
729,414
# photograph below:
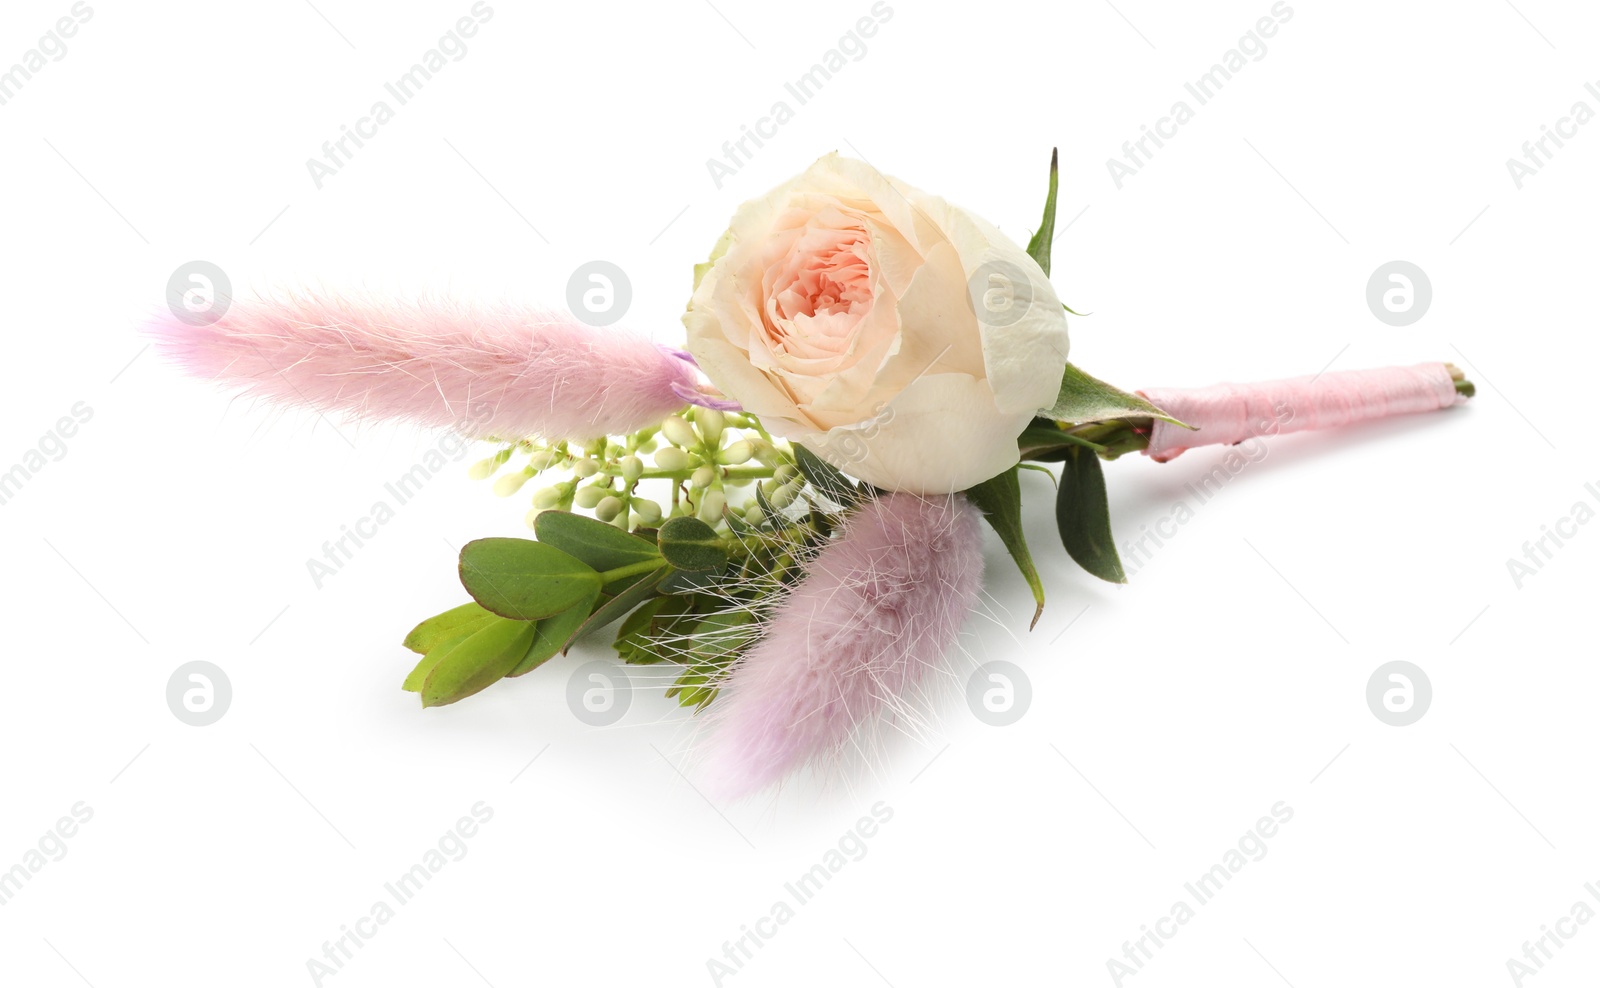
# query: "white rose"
902,338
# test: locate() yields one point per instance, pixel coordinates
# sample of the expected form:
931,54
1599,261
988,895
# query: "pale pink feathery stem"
877,609
508,371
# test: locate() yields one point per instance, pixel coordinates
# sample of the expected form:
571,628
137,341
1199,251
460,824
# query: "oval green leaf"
1084,518
596,543
689,544
454,623
477,661
525,580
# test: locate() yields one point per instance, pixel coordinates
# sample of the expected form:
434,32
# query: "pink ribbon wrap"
1232,413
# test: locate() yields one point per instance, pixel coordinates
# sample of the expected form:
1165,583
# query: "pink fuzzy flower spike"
507,371
878,608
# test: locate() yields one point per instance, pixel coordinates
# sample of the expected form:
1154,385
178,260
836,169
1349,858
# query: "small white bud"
588,497
754,515
544,460
632,467
511,483
785,495
548,497
711,505
586,468
484,469
678,432
765,453
711,424
785,473
608,508
648,512
672,459
703,476
736,453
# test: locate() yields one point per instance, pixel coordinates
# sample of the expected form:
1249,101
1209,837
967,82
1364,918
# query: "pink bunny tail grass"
506,371
877,609
1232,413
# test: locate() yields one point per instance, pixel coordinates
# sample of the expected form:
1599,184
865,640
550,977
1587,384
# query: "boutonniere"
788,510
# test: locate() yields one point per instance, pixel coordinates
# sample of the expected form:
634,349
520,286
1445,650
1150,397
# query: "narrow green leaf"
1000,500
1039,246
1046,442
454,623
770,516
1088,399
523,579
1084,518
615,607
689,544
419,674
601,546
552,634
477,661
1044,470
679,582
825,477
639,640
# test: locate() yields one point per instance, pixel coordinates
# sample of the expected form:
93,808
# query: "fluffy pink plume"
877,609
507,371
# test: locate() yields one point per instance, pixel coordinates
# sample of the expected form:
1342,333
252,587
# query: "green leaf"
825,477
1084,518
525,580
640,639
1039,246
689,544
679,582
719,638
716,642
1040,469
1000,500
454,623
552,634
419,674
1087,399
615,607
770,516
599,545
479,660
1047,442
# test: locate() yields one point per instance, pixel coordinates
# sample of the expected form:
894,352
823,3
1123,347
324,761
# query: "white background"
1229,675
